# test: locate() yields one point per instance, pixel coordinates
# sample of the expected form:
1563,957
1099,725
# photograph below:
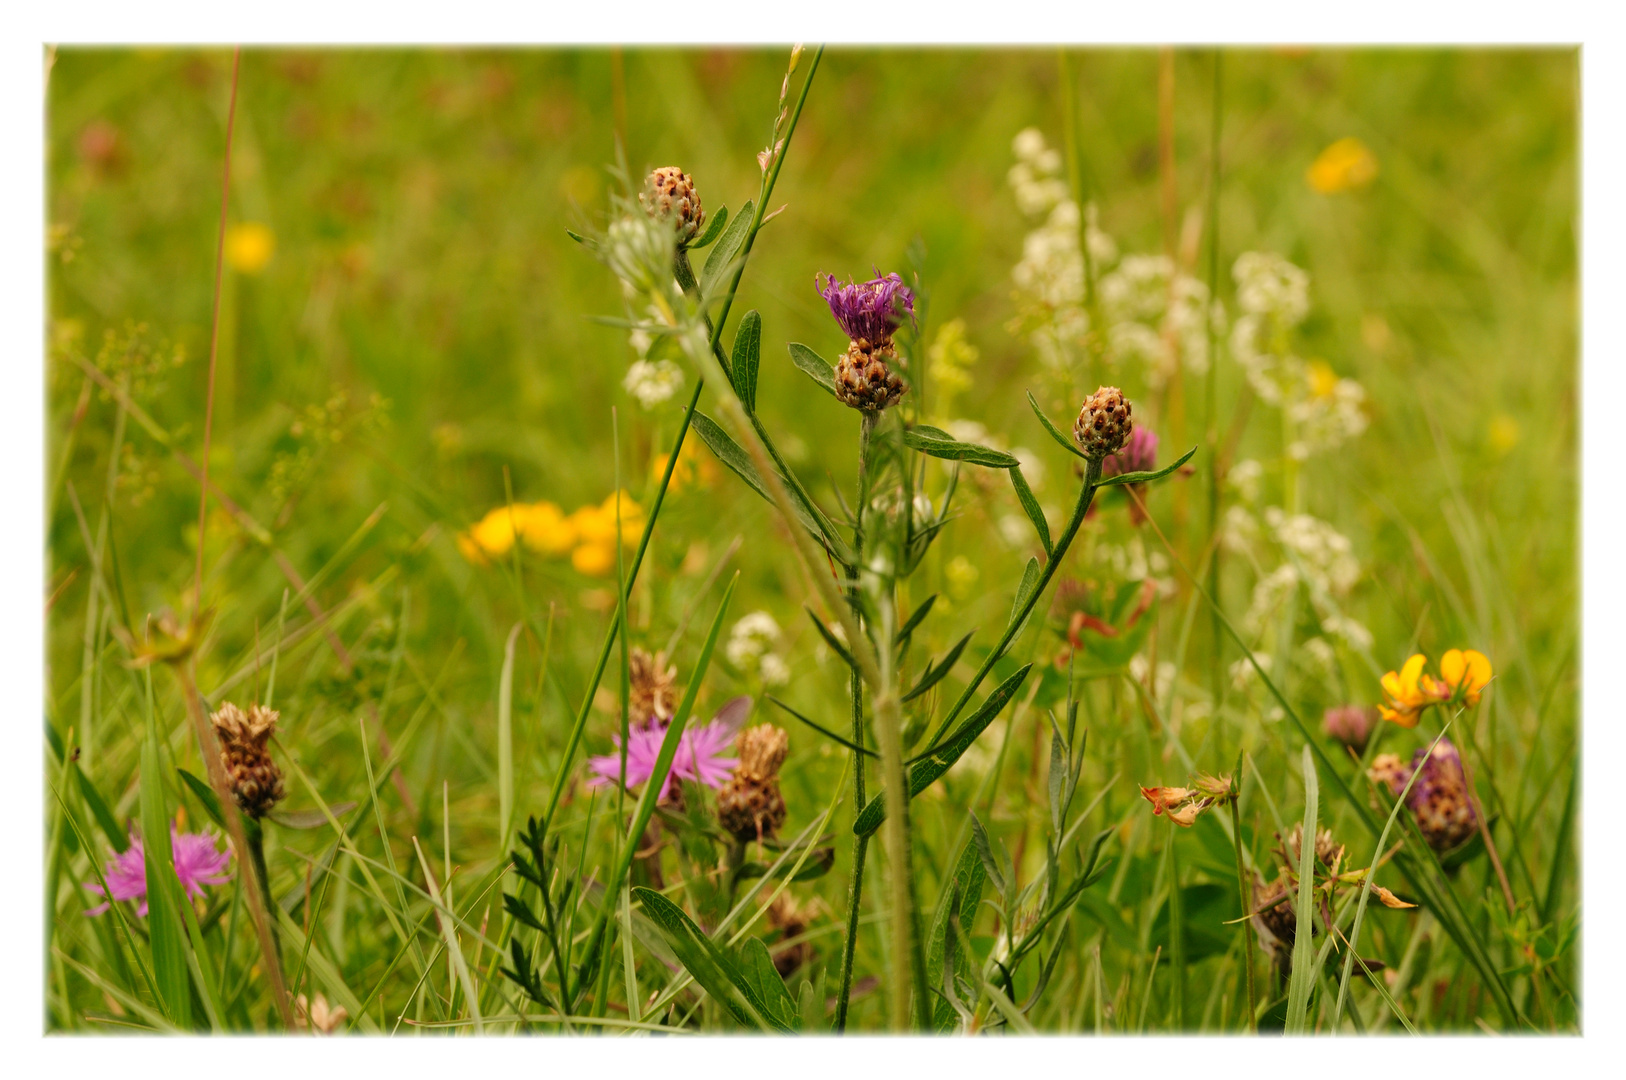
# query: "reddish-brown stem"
214,329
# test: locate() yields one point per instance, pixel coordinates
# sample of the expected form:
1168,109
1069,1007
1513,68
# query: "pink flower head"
1139,454
868,310
699,756
198,862
1350,725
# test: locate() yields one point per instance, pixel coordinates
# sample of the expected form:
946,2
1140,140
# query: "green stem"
855,893
1217,668
1177,935
1092,474
1246,895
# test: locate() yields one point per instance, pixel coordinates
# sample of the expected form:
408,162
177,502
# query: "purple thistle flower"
1139,454
868,310
699,756
198,862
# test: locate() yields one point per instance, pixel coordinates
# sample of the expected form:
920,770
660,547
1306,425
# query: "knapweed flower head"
1438,799
1350,725
750,806
653,685
699,758
1103,426
868,310
669,195
198,862
868,313
256,781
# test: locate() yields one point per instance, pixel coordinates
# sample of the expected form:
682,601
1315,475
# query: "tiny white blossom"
750,638
775,672
653,381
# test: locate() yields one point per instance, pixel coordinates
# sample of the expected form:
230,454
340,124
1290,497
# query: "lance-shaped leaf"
961,895
829,637
713,229
813,366
925,769
722,256
1065,443
731,454
822,730
940,444
915,618
747,358
1145,477
936,673
710,966
756,967
1030,507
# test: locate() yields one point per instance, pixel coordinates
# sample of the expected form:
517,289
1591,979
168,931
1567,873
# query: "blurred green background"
424,323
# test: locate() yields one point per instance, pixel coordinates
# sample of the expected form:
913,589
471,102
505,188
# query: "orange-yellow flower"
596,524
1464,673
595,559
490,538
249,246
691,466
544,528
1345,164
1408,693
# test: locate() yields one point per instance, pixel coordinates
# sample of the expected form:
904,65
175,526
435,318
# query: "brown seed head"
669,194
256,782
865,379
750,806
652,683
1103,425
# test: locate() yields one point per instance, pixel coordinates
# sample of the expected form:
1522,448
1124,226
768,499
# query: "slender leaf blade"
813,366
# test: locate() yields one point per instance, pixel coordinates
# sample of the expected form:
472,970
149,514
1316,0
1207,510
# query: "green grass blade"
1303,977
505,739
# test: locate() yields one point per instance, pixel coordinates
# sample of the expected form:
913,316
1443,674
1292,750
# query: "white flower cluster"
1155,313
1318,556
1051,271
1275,297
653,381
750,645
1130,562
639,250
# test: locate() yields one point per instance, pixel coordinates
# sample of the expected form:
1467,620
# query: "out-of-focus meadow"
408,340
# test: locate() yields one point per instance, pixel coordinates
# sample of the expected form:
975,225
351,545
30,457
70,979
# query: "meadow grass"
413,349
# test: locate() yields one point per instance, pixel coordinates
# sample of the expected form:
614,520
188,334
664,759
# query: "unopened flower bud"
669,195
256,782
1103,425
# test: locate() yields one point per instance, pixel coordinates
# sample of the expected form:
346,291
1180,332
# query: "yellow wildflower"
1465,673
1408,693
692,466
1344,165
249,246
596,559
1323,379
596,524
493,535
1504,433
544,528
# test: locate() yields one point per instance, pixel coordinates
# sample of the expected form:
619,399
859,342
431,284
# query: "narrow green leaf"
1030,507
205,795
985,855
163,922
1145,477
756,967
964,885
708,964
1304,912
813,366
731,454
826,732
829,637
1066,443
1030,581
938,443
926,768
722,256
100,811
505,737
916,617
719,218
747,359
936,673
310,819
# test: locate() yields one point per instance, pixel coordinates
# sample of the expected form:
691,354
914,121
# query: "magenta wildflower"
198,862
699,756
1439,800
868,310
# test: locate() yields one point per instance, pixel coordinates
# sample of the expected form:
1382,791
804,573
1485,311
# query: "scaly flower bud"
1103,425
256,782
651,682
669,195
750,806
